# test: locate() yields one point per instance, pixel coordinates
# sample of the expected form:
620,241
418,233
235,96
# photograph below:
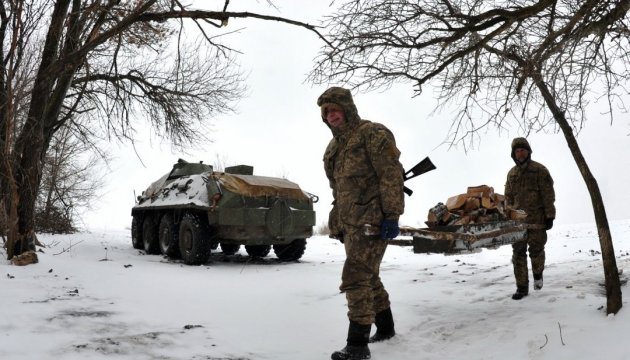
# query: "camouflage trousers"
360,278
535,244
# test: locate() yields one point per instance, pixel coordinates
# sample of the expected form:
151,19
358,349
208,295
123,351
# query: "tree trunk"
11,200
46,216
33,140
28,175
9,196
611,274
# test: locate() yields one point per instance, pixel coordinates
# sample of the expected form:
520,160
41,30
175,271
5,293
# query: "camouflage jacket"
362,166
529,187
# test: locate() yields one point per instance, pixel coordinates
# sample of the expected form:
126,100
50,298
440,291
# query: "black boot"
384,326
538,281
356,348
520,293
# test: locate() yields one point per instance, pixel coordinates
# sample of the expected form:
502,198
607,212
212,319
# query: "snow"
92,296
183,191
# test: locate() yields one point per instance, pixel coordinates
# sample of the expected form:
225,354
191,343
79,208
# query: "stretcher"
453,239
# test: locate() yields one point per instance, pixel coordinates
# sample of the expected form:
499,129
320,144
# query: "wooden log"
456,202
480,191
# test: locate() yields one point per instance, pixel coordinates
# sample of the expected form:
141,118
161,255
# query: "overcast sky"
278,130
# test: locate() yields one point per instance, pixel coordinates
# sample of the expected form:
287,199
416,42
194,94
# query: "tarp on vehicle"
259,186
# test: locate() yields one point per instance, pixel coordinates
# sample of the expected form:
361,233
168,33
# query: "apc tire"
150,236
136,232
290,252
168,236
258,250
230,249
194,241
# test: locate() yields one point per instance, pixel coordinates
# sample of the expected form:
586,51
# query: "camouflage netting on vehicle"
255,186
480,204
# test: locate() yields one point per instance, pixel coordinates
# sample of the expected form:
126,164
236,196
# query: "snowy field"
92,296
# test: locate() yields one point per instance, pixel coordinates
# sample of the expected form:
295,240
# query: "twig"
106,259
53,244
560,328
249,259
546,341
68,249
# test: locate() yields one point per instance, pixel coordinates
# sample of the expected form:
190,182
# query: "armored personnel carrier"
193,209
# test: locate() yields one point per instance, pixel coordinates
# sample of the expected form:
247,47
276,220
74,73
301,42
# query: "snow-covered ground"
92,296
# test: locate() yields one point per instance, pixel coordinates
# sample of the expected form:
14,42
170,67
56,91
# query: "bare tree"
536,63
70,183
107,63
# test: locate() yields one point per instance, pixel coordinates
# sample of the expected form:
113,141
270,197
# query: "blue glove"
389,229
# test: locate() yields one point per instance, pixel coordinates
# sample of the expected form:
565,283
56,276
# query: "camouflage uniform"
529,187
361,163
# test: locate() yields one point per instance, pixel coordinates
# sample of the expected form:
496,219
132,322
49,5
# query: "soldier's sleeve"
384,157
333,216
328,159
548,194
508,190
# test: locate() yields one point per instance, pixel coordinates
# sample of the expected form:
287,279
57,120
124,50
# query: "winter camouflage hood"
341,97
520,143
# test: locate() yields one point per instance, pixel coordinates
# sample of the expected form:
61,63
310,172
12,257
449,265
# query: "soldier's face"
335,117
521,154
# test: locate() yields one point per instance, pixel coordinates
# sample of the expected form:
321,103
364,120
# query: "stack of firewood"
480,204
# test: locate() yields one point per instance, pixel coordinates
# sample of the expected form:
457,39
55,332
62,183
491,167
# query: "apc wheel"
258,250
230,249
150,236
136,232
194,242
292,251
168,236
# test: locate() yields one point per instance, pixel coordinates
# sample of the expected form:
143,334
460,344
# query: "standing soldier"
361,163
529,187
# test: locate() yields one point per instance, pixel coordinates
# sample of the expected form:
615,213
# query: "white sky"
74,305
278,131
